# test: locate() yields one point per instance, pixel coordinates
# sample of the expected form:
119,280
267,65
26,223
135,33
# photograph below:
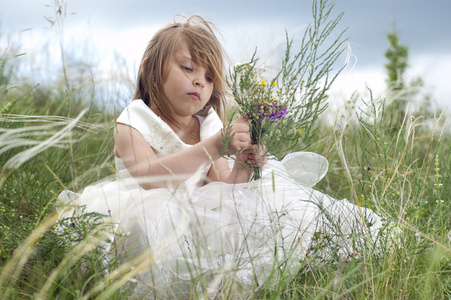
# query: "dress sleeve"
153,129
137,115
210,125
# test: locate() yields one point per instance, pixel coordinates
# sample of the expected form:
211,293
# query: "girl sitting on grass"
179,207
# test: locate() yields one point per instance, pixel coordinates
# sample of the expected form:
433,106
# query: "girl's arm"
141,161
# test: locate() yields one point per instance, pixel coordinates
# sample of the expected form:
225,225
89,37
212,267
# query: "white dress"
219,233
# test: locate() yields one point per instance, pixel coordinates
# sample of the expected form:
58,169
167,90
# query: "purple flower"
268,110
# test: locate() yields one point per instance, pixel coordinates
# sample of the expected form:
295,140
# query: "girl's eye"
208,79
188,69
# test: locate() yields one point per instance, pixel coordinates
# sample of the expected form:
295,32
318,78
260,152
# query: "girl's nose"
197,81
199,77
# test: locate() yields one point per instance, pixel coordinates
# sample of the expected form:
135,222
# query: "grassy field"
380,158
55,136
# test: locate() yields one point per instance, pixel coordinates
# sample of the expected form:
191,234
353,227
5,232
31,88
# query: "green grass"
400,169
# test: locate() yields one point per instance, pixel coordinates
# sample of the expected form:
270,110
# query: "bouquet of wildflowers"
282,111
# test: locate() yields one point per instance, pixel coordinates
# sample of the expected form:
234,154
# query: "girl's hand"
258,157
238,131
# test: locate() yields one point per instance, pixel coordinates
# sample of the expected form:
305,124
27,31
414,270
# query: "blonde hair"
205,50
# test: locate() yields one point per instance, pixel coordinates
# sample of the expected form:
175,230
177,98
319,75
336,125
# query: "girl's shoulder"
139,116
153,129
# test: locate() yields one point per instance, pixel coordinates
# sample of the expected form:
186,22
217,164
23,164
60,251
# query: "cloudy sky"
124,27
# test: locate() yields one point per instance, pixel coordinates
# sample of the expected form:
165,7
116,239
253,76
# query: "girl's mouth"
195,96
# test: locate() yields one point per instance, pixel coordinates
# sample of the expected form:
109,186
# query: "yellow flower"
274,84
262,82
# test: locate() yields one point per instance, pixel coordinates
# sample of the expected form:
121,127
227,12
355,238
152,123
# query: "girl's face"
188,87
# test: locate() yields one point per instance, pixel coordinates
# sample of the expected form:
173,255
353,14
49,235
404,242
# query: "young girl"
180,78
182,214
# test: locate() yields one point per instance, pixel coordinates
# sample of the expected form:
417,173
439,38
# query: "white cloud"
241,36
430,68
433,69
